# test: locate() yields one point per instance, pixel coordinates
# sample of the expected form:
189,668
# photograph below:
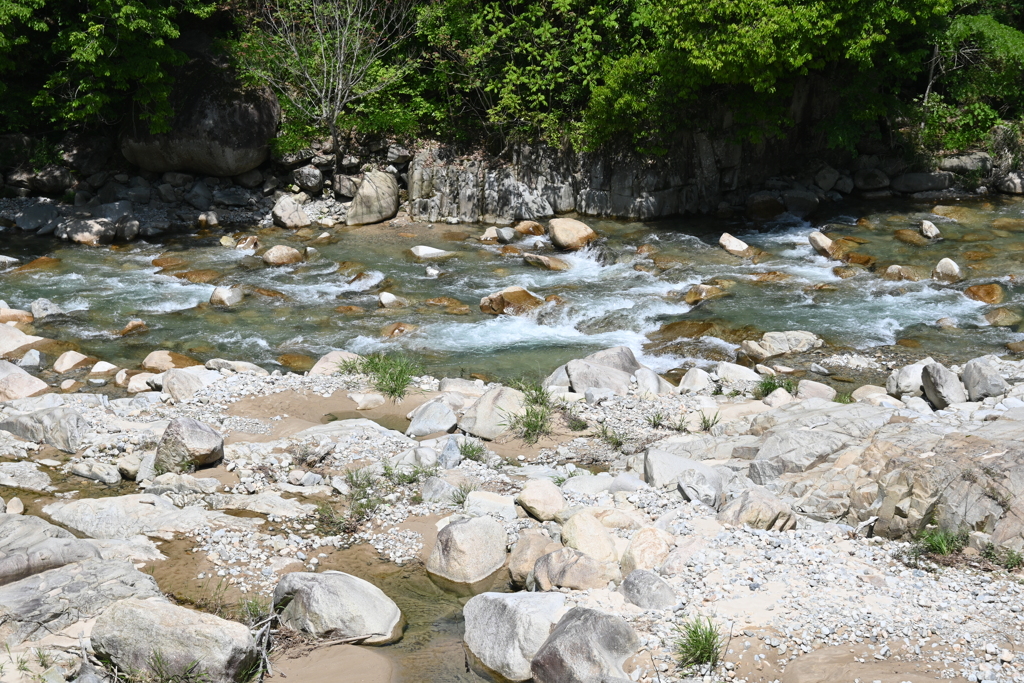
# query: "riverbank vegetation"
579,74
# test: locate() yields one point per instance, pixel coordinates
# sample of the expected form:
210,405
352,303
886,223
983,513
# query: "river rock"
187,444
774,344
941,386
810,389
947,270
922,182
570,234
376,199
131,515
546,262
569,568
61,427
468,551
44,603
479,503
30,545
929,230
220,128
181,384
763,206
646,550
435,489
732,373
586,646
906,381
585,375
432,417
1011,183
22,475
982,379
281,255
92,232
647,590
227,296
15,383
289,214
131,631
696,381
489,417
585,533
988,294
425,253
510,301
696,481
541,499
972,162
821,243
870,179
332,604
504,632
735,246
759,509
330,363
97,471
161,360
531,546
309,179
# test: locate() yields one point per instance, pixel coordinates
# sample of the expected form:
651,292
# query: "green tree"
72,61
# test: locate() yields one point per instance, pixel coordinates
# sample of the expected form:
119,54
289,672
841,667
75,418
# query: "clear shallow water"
612,295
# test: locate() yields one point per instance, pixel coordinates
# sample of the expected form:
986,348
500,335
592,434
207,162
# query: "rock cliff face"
698,174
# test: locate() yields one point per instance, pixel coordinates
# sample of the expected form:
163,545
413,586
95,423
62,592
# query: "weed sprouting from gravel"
472,450
700,644
707,422
391,374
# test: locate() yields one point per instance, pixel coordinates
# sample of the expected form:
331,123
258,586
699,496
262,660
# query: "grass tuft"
707,422
769,384
656,420
610,436
943,541
472,450
844,397
461,493
391,374
700,644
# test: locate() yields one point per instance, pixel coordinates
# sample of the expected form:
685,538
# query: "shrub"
943,541
700,644
390,374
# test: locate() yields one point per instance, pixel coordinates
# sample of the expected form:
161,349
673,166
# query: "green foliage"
773,382
610,436
461,493
254,609
943,541
843,397
656,419
63,61
531,424
707,422
700,644
472,450
390,374
160,671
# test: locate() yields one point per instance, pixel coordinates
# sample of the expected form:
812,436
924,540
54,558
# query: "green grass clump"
843,398
943,541
533,423
577,423
461,493
700,644
390,374
769,384
656,420
610,436
472,450
707,422
253,610
1008,559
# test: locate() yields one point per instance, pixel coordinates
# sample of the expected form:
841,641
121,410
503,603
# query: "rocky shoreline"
786,517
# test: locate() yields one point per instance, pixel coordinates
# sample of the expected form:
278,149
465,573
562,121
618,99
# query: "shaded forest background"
580,74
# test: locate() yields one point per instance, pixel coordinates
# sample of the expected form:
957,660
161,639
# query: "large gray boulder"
982,378
941,386
799,450
134,514
532,545
584,375
219,128
662,468
468,551
906,381
569,568
23,475
337,605
61,427
38,605
15,383
586,646
133,633
181,384
490,416
922,182
504,631
432,417
758,508
187,444
29,545
376,199
647,590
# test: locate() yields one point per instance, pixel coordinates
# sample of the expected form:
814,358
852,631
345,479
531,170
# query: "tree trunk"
337,158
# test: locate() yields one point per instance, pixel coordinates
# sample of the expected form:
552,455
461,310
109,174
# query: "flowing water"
612,294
